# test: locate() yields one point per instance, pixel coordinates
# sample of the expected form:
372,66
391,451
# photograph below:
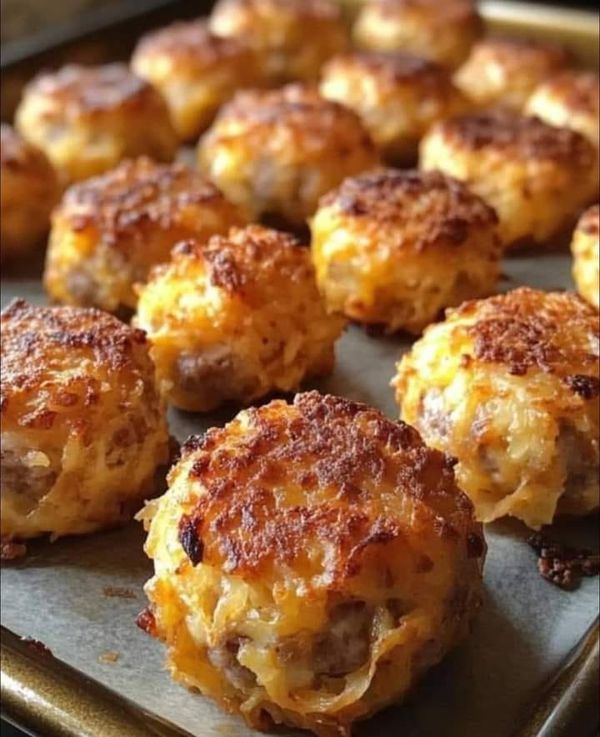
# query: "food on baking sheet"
586,255
537,177
393,248
83,426
510,387
397,96
442,31
276,152
108,231
563,565
292,37
235,318
505,71
28,191
86,119
195,70
312,561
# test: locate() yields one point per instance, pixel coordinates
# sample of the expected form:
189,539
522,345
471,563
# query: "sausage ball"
536,177
570,100
83,425
505,71
195,70
586,255
292,37
442,31
509,386
86,119
236,318
108,231
397,96
312,561
28,191
276,152
393,248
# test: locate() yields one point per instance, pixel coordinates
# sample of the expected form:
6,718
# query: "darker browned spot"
587,387
146,621
562,565
190,539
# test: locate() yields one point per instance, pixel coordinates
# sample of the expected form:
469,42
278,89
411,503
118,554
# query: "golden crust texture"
441,31
394,248
510,387
195,70
83,426
397,96
569,100
236,318
277,152
110,230
86,119
505,71
537,177
585,248
28,191
292,37
312,560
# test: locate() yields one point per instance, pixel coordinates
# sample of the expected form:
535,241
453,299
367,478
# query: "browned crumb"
119,592
109,657
562,565
37,646
145,621
11,549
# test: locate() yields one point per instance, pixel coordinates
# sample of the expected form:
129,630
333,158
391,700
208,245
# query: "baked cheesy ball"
536,177
505,71
83,425
393,248
586,255
236,318
509,386
276,152
195,70
292,37
108,231
28,191
86,119
312,560
569,99
397,96
440,30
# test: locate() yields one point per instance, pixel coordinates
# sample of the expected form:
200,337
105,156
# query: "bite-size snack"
292,37
312,561
505,71
509,386
537,177
569,100
393,248
110,230
397,96
441,31
86,119
585,247
28,191
83,424
195,70
235,318
276,152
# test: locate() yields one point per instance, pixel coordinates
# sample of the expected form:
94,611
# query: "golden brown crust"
317,9
395,68
451,10
589,222
17,155
576,89
516,53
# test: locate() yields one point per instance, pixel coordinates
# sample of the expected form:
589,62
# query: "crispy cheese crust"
83,426
28,191
277,152
195,70
441,31
397,96
110,230
292,37
86,119
236,318
312,560
505,71
586,255
510,387
394,248
537,177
